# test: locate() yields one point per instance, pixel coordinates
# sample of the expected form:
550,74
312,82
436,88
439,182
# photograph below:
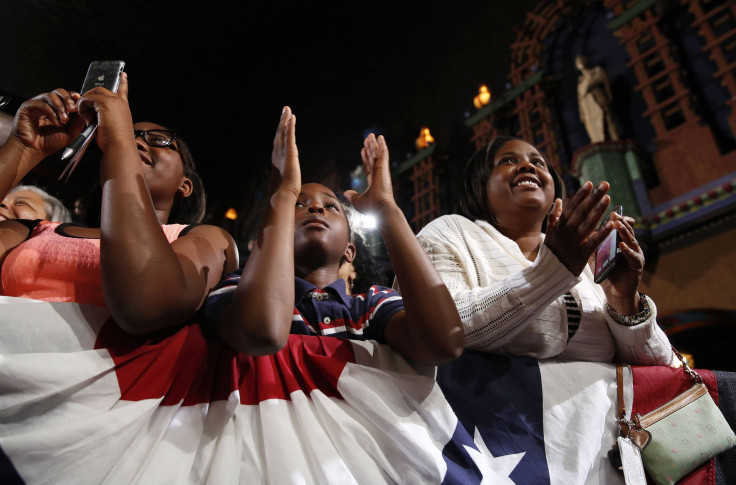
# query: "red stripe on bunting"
184,365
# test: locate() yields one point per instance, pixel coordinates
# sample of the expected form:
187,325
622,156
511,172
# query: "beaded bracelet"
635,319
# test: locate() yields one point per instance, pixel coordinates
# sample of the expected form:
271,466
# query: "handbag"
680,435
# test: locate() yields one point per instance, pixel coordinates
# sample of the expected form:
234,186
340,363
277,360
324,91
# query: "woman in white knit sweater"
522,292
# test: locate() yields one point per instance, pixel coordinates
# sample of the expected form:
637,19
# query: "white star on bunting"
494,470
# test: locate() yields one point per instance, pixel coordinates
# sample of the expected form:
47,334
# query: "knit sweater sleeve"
642,344
497,309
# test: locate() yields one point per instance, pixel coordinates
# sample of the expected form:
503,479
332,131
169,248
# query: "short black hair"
473,200
349,211
369,271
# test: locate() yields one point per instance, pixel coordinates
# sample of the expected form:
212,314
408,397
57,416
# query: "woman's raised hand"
378,194
46,123
115,122
622,285
285,171
572,234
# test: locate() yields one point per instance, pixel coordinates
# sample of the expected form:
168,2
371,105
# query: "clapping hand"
378,195
571,232
285,170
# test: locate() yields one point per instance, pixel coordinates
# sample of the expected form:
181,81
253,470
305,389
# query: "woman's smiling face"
520,179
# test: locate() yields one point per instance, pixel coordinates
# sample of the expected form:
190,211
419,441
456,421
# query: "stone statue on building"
595,102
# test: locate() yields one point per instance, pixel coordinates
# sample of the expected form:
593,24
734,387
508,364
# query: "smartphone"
103,73
608,252
99,73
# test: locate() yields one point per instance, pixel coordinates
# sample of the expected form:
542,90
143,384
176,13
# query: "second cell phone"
608,251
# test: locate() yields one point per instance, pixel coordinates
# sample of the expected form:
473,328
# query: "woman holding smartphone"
522,292
149,262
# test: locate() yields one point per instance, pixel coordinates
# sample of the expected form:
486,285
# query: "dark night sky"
220,72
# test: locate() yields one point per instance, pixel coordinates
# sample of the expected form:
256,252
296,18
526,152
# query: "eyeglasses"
157,138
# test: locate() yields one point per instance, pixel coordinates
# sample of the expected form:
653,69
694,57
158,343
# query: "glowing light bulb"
425,138
483,97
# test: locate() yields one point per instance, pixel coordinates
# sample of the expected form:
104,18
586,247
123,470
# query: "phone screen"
607,252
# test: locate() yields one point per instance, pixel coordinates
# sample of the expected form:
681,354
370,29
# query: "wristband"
630,320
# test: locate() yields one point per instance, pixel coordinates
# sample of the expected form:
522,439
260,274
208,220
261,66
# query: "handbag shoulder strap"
694,376
621,414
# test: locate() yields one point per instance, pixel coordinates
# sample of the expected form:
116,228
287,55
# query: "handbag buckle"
637,421
624,426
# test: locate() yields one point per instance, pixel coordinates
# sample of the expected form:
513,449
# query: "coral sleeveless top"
52,265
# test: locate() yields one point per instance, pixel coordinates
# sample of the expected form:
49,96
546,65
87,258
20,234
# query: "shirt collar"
337,287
